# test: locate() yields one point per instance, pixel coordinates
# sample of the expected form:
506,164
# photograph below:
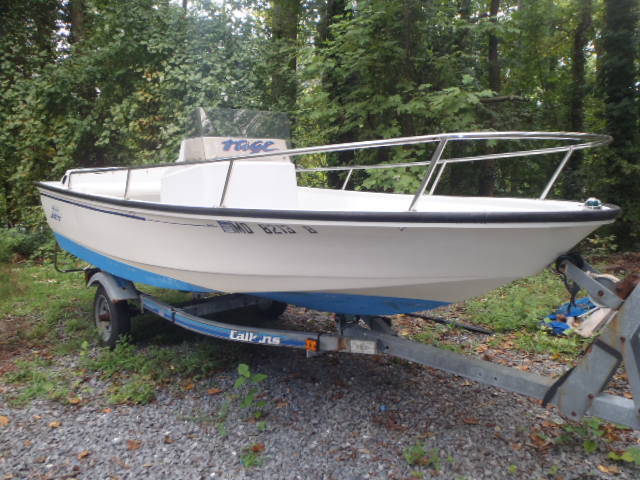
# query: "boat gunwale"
609,212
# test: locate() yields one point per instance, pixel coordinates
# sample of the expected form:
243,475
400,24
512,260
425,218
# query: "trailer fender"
117,288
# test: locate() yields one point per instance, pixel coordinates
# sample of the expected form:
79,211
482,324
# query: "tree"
573,183
284,35
618,77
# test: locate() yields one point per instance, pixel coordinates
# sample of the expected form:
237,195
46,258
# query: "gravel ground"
329,417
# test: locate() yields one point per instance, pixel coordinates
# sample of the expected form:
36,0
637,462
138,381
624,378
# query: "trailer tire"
112,319
271,308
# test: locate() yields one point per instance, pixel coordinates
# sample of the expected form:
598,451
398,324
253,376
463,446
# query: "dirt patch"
621,264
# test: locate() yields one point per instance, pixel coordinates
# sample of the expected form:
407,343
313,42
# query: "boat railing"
579,141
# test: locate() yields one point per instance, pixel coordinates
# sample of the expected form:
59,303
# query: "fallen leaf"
55,424
471,421
147,465
133,444
27,443
37,417
627,395
167,439
83,454
281,404
189,386
4,420
611,469
120,462
214,391
107,410
74,400
257,447
539,441
524,368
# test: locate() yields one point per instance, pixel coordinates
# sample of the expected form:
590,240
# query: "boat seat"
268,183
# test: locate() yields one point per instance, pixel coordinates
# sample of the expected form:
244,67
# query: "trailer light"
312,345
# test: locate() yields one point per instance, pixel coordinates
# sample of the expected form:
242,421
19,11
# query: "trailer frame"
578,392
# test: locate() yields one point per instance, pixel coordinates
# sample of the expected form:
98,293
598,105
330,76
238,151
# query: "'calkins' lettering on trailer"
243,145
253,338
234,227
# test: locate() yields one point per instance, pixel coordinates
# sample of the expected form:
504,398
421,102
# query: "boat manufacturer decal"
251,337
244,146
234,227
89,207
55,214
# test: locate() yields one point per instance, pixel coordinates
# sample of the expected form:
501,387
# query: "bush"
20,243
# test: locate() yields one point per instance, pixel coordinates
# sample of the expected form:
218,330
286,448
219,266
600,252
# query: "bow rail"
578,141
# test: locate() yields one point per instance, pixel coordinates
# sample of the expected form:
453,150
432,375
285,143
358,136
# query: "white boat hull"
365,264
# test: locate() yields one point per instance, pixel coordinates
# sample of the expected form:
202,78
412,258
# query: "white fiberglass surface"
319,199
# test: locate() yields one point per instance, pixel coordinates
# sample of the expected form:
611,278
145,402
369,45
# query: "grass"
49,306
39,382
519,305
513,313
50,312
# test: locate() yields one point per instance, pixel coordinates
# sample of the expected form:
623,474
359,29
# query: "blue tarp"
581,306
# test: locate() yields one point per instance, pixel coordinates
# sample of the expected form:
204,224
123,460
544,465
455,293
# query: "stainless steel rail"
579,141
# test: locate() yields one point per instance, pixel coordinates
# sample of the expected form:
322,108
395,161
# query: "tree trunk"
77,12
488,171
573,180
495,83
619,84
330,84
284,28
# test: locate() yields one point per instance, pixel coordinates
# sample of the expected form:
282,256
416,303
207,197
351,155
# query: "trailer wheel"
111,318
271,308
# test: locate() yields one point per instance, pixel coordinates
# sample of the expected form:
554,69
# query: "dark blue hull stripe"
327,302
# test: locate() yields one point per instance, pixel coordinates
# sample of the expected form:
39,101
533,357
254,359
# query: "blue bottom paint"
327,302
352,304
124,270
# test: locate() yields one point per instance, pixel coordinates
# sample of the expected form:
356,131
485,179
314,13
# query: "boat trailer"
576,393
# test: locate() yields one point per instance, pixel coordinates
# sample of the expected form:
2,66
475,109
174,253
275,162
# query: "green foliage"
138,389
251,457
521,304
248,396
414,454
590,432
598,245
630,455
417,454
20,243
37,381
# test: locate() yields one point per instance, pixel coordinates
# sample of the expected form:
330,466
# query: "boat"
231,216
